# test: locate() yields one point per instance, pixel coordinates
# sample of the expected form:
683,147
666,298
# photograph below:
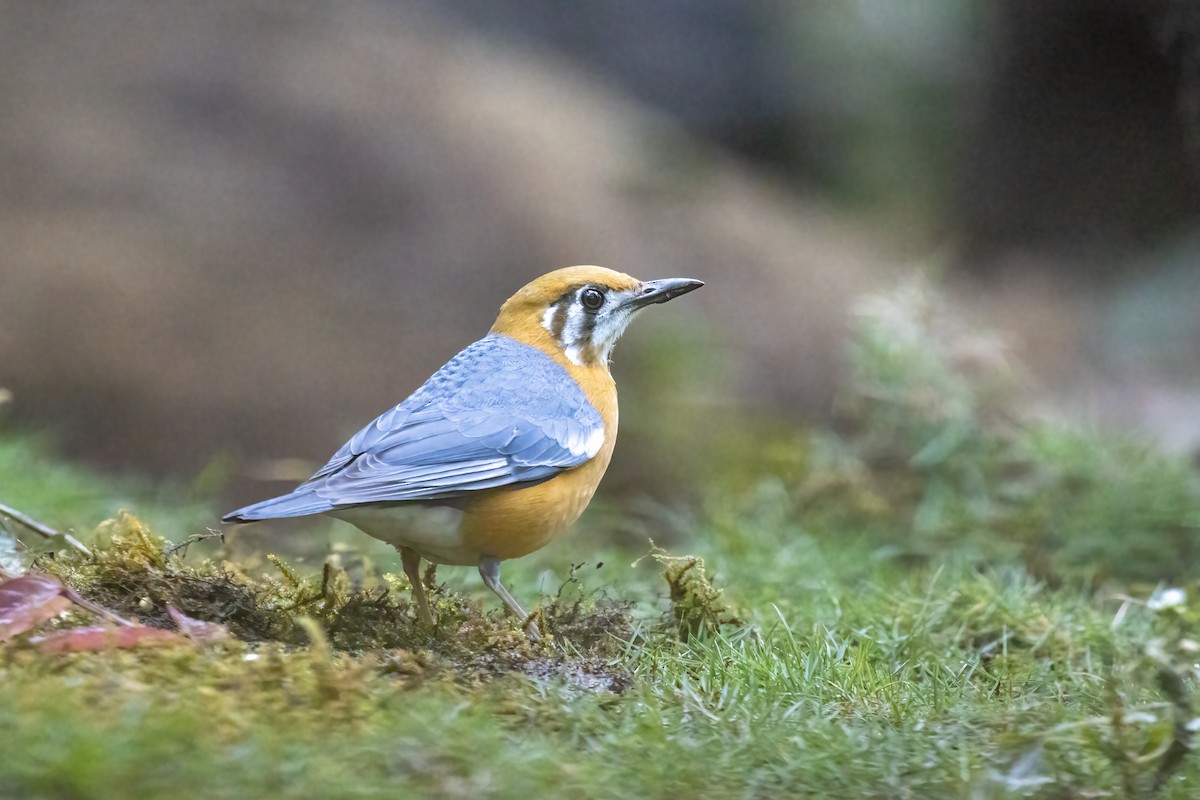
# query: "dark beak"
663,290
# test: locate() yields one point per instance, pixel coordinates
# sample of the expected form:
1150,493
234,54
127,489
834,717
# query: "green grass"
939,601
871,680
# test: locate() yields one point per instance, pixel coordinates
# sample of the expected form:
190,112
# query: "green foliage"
942,600
932,435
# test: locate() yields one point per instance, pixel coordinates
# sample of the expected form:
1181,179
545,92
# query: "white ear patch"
548,318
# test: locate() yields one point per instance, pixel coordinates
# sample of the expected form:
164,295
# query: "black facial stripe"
589,326
560,319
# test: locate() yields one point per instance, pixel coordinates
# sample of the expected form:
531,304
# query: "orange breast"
504,523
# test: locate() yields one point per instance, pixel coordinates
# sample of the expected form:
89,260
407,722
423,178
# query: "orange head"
580,312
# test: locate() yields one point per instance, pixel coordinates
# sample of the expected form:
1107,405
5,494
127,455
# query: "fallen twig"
79,600
42,529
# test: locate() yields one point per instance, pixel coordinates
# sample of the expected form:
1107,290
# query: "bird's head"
582,310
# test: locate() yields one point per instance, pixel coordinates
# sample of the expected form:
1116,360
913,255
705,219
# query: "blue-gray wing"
498,413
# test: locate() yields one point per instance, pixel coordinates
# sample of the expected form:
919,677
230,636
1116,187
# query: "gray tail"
296,504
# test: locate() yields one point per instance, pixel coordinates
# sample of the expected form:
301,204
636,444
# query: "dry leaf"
198,631
77,640
27,602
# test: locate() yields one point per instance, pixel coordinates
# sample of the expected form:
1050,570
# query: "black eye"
592,298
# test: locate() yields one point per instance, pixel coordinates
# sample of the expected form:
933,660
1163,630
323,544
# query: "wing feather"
499,413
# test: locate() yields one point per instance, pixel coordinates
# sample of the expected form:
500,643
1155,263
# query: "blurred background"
233,232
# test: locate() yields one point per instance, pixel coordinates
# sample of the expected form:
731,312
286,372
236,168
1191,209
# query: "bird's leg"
489,570
411,560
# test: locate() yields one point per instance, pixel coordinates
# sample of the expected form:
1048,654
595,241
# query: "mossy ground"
933,602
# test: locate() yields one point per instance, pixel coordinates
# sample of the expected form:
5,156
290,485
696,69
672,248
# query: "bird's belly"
509,524
434,532
498,523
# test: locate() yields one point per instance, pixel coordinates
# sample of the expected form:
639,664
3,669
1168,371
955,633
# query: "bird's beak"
661,291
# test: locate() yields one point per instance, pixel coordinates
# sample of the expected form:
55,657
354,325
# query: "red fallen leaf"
27,602
78,640
197,630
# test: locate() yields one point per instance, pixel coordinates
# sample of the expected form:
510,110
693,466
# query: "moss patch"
139,575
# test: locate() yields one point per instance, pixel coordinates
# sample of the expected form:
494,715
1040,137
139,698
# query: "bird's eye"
592,298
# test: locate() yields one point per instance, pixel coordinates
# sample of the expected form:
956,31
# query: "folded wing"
499,413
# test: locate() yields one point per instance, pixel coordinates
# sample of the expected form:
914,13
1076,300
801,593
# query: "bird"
514,432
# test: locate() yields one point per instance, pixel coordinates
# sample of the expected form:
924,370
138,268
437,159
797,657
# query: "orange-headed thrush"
515,431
